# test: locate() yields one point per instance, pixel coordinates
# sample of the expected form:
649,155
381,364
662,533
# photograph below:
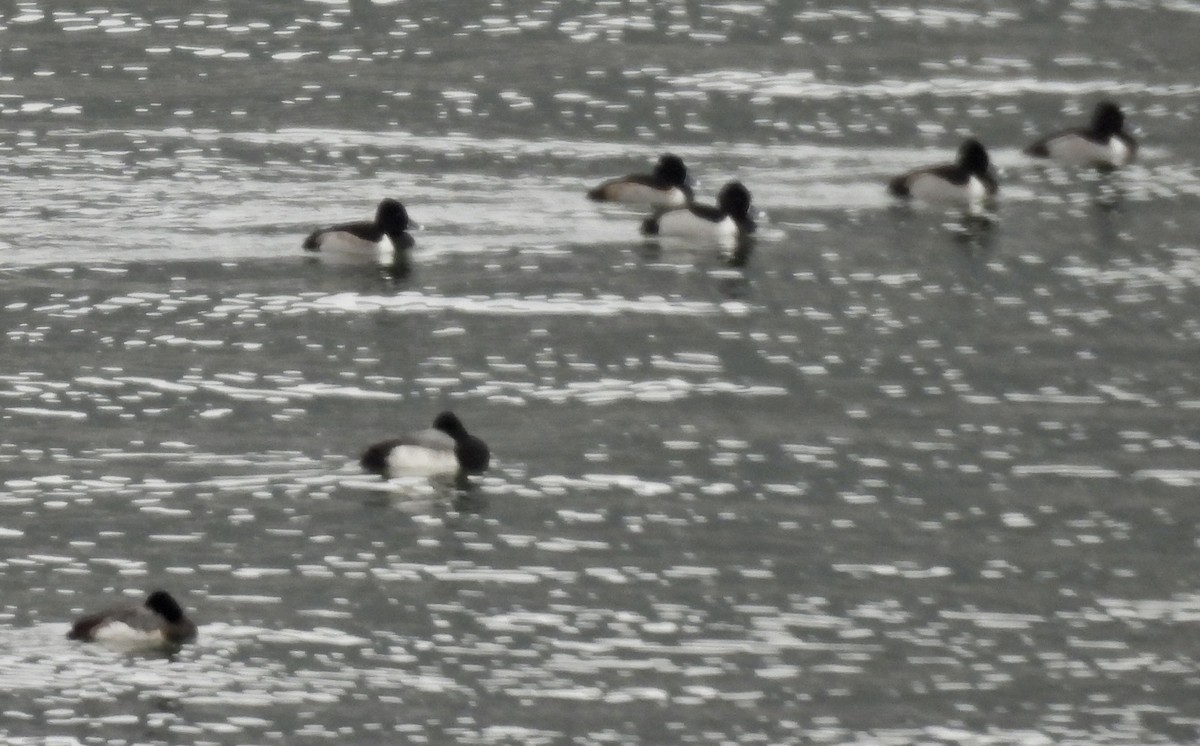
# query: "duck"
158,622
968,181
445,448
1103,144
729,220
386,234
668,186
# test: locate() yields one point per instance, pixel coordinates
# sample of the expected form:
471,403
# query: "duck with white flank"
159,622
669,186
729,220
445,448
968,181
380,238
1103,144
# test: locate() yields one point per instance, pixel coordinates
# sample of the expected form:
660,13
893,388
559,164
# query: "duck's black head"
1107,119
391,217
973,158
448,423
164,605
670,169
734,200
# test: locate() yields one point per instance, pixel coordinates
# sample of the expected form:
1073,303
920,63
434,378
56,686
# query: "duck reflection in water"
975,234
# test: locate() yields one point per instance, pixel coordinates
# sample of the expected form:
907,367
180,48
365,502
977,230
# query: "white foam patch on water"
334,391
995,619
1017,520
1077,471
1172,477
1180,609
574,306
571,545
524,621
906,571
1055,398
806,85
636,485
315,636
611,390
53,414
484,575
157,384
705,647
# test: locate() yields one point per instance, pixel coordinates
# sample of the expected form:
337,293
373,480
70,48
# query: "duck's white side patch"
1119,152
640,194
415,461
684,223
933,188
1073,150
121,635
976,190
348,243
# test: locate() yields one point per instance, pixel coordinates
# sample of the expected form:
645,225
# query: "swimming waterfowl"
1103,144
386,233
447,447
159,621
668,186
967,181
729,219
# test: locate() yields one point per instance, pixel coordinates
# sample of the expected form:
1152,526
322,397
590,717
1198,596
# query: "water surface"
888,478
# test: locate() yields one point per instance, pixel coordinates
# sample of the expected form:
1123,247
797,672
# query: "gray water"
891,478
